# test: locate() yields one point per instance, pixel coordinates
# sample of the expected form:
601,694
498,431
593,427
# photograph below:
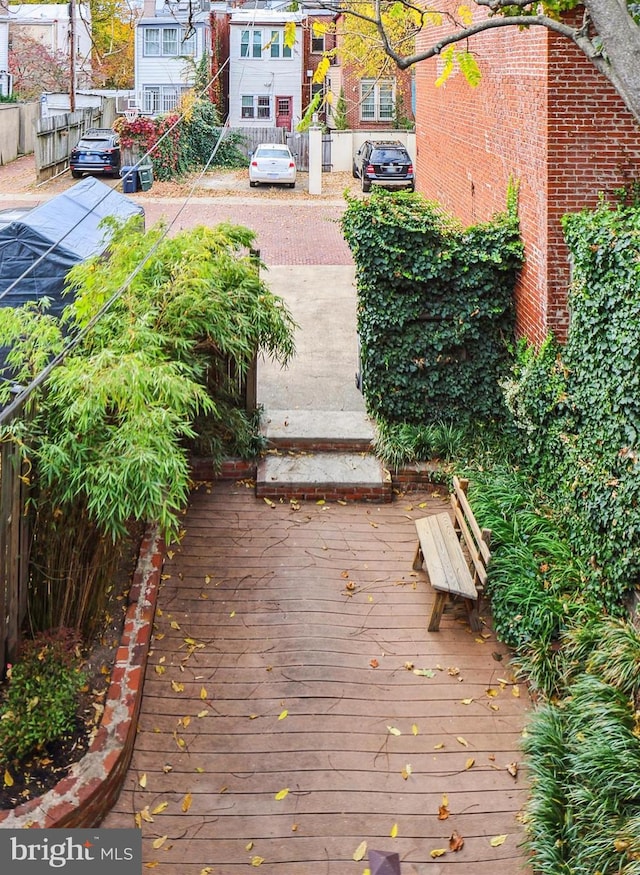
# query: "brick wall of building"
542,115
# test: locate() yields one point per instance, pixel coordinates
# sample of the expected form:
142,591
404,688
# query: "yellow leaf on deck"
142,780
360,851
439,745
394,831
160,808
203,693
393,730
491,692
496,841
249,846
466,701
406,771
281,794
414,728
437,852
206,871
158,843
515,691
145,815
151,864
174,624
186,802
232,614
469,763
462,741
257,861
283,714
177,687
269,502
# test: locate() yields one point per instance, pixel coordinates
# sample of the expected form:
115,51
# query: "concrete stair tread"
356,476
323,429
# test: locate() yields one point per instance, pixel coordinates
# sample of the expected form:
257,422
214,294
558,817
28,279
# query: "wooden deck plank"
262,592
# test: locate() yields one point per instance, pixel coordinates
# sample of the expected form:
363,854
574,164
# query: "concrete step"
331,476
318,430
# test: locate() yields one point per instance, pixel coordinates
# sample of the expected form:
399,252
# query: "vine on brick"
435,311
580,406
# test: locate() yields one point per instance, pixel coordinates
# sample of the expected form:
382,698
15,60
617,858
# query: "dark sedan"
98,151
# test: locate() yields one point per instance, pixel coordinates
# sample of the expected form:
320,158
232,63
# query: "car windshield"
384,156
95,143
273,153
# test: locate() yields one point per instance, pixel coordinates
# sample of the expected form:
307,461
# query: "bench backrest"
476,540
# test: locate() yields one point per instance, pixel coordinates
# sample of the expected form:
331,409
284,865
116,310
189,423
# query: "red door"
284,112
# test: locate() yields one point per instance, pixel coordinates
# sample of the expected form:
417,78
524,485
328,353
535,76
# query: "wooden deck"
283,723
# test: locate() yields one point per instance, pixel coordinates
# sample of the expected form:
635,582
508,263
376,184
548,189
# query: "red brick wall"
542,115
351,85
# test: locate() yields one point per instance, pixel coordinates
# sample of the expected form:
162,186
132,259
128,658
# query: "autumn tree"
113,29
606,31
34,68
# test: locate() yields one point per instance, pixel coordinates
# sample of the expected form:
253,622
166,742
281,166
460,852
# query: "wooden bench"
455,555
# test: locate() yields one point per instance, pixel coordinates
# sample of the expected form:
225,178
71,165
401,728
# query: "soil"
35,775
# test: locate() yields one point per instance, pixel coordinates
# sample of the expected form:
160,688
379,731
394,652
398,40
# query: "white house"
265,75
171,38
49,24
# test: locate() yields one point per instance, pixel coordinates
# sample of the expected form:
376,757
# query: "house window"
253,46
158,99
377,99
255,107
317,44
168,42
277,46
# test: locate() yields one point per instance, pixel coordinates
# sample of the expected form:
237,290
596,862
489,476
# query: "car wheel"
412,187
76,174
366,185
292,185
354,171
252,183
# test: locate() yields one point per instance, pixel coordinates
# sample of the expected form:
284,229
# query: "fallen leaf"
371,523
160,808
515,691
360,851
409,666
443,808
414,728
491,692
207,579
177,687
512,768
437,852
249,846
269,502
294,827
406,771
146,815
469,763
456,842
257,861
466,701
453,670
283,714
186,802
393,730
142,780
174,624
374,663
281,794
344,575
394,831
320,501
438,746
479,640
8,778
160,669
207,870
462,741
184,721
151,864
202,713
494,707
232,614
158,843
424,672
496,841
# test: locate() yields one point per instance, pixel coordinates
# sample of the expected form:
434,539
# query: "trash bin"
130,182
145,176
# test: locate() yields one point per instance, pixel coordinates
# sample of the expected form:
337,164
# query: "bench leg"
472,613
436,613
418,559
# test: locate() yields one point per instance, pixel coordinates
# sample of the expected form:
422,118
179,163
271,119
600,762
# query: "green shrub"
435,308
41,697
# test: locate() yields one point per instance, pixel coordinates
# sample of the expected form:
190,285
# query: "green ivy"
435,309
580,406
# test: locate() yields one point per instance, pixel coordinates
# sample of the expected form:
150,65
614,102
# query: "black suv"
385,163
98,151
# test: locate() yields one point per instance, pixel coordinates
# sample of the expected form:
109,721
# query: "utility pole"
72,55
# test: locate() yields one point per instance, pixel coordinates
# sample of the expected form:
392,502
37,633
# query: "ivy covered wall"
435,308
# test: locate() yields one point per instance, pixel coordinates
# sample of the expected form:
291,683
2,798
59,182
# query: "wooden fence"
14,550
56,136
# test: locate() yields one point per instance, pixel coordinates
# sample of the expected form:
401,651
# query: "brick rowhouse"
543,116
